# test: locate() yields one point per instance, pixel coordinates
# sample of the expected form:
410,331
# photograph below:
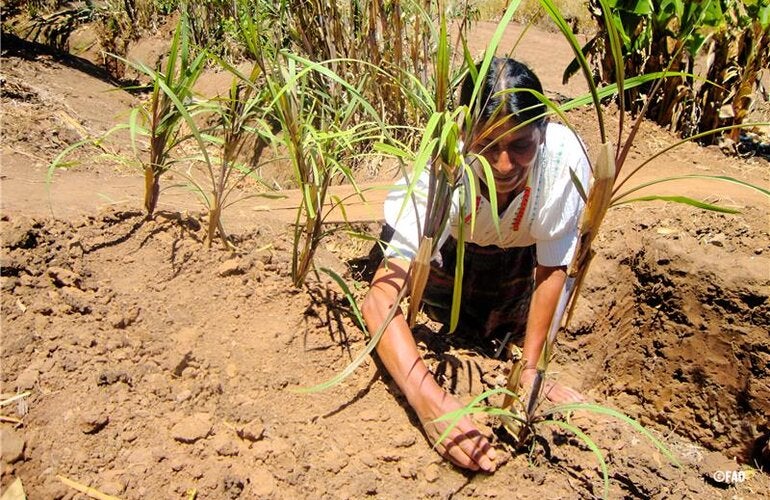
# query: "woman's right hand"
465,446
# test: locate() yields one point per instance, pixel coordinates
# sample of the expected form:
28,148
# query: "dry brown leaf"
91,492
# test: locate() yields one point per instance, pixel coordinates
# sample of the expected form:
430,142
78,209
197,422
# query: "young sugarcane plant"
161,119
239,118
164,121
444,153
320,139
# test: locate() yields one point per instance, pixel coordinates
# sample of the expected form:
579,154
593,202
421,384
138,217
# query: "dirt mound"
676,318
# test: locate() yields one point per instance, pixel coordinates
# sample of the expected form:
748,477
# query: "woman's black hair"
505,73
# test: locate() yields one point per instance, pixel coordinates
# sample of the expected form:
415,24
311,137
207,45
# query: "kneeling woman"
511,281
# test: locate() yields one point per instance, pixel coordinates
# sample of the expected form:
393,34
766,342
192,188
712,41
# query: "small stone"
253,431
717,240
183,395
233,486
492,379
8,283
177,463
224,446
113,488
407,471
334,461
368,459
192,428
27,379
27,280
230,267
20,236
265,258
714,462
63,277
11,446
109,377
431,473
261,450
367,483
178,361
262,482
403,440
370,415
124,319
759,250
77,299
391,455
92,421
140,460
694,484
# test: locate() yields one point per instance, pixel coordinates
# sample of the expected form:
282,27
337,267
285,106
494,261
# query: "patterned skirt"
497,289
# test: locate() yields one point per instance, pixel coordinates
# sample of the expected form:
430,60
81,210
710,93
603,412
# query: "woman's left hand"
555,392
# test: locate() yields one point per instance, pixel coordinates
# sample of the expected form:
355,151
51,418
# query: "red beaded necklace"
522,208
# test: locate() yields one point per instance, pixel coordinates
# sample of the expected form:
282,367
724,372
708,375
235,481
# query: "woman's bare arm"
465,446
549,282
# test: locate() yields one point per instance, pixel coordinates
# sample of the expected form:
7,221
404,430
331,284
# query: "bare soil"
157,366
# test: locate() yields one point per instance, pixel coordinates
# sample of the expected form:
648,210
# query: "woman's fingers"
555,392
562,394
466,447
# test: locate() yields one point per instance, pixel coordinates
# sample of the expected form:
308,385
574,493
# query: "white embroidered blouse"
545,213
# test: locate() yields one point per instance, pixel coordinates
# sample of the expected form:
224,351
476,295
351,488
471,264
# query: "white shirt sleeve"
556,223
408,219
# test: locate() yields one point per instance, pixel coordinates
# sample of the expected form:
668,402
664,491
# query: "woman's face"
509,153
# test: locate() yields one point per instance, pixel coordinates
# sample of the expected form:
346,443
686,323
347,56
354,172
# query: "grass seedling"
168,108
523,429
238,121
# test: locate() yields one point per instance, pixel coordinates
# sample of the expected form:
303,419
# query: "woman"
511,281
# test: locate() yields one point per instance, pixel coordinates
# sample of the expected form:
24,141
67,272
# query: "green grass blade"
58,162
555,14
321,67
721,178
471,408
684,200
441,76
490,181
612,89
348,295
604,410
683,141
397,152
195,132
578,185
494,42
591,445
457,290
616,49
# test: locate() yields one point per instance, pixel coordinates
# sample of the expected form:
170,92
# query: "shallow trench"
681,343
